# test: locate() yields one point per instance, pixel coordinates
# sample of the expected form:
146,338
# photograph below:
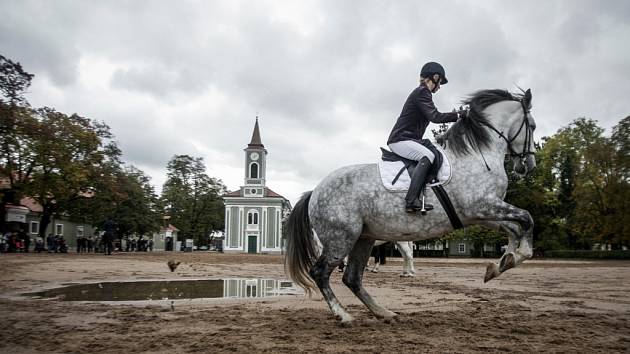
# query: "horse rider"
406,135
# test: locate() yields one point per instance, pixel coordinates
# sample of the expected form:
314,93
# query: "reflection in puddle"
177,289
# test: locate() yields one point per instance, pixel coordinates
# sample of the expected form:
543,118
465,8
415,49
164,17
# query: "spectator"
98,243
50,243
90,244
12,243
108,236
39,244
3,242
25,240
60,244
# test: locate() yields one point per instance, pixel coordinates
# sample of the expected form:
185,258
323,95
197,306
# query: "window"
253,170
58,229
462,248
79,231
34,227
252,218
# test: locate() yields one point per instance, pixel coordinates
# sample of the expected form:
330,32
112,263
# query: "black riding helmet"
431,68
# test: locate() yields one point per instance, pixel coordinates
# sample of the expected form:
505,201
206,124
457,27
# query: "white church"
254,213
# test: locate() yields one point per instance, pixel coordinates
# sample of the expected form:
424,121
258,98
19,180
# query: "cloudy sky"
327,78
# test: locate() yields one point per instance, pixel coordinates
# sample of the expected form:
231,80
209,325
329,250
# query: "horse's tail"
301,251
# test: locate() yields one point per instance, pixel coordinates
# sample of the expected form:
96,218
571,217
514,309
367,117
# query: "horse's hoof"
346,323
389,319
507,261
492,271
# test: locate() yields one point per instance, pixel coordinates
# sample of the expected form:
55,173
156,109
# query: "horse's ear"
528,97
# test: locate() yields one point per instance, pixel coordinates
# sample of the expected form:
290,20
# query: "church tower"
255,166
254,213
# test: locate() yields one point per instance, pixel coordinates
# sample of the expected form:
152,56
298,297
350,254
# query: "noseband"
529,135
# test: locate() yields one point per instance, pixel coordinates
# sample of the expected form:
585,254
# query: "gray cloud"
328,78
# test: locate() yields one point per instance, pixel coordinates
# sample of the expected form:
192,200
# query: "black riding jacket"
416,114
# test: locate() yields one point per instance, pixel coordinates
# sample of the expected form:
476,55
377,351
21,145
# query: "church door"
251,244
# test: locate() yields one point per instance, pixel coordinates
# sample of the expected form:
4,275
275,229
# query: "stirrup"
425,207
418,206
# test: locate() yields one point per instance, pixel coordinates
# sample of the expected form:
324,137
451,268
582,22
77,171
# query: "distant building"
166,239
254,213
28,215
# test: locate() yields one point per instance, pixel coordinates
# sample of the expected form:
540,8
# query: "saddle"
410,165
431,179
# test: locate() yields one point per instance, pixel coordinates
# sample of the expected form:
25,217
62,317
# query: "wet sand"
543,306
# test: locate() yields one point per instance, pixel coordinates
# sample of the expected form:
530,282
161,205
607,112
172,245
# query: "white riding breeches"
411,150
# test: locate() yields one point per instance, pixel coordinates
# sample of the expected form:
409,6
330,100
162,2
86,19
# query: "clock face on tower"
254,156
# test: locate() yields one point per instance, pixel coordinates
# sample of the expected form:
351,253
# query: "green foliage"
192,199
69,164
125,196
588,254
578,196
13,82
15,128
477,234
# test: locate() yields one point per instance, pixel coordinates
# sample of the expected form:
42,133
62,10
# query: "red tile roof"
31,204
268,194
236,193
273,194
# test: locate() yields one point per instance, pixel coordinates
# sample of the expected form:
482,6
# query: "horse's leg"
406,250
519,226
376,264
519,248
506,261
353,277
336,246
321,274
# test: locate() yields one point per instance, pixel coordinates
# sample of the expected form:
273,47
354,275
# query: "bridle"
529,134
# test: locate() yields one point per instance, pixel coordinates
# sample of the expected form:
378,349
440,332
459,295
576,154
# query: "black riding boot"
415,187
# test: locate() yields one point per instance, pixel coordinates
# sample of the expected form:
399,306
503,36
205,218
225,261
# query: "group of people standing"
89,244
20,242
14,241
136,244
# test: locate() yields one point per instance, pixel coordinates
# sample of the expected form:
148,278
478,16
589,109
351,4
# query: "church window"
253,170
252,218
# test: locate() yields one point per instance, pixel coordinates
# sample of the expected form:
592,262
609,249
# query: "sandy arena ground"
543,306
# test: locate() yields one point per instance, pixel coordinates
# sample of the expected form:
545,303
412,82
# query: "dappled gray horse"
350,208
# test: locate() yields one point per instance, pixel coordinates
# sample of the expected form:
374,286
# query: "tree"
16,127
13,82
137,209
192,198
584,171
68,154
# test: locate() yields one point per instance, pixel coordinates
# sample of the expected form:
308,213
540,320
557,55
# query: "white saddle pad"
389,170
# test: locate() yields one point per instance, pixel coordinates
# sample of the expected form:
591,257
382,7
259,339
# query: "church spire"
256,142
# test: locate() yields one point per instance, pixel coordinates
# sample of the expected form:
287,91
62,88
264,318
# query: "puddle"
176,289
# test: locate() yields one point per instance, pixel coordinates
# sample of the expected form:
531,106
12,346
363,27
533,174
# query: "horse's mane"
470,133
